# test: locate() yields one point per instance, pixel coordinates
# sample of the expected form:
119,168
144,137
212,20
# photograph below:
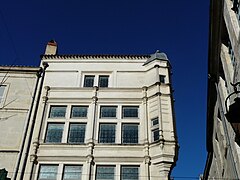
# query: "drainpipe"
15,173
226,132
45,65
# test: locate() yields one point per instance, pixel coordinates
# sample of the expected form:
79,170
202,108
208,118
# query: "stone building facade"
17,89
103,117
223,135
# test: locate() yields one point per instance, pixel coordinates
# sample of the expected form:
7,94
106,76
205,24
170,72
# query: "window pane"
48,172
88,81
128,173
79,111
103,81
107,133
155,134
105,172
72,172
155,121
54,133
57,111
130,111
2,88
108,111
130,133
76,133
162,78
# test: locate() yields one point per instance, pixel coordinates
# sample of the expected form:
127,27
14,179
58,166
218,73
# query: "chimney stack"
51,48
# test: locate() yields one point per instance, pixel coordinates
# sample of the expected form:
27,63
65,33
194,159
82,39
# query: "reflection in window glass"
103,81
107,133
88,81
54,133
130,133
105,172
130,111
48,172
72,172
79,111
57,111
76,133
129,172
108,111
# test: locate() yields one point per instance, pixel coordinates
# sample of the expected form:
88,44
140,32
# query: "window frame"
108,117
68,134
122,133
129,166
99,133
39,171
46,133
162,78
71,165
130,117
4,95
106,166
99,82
154,128
78,117
84,80
57,117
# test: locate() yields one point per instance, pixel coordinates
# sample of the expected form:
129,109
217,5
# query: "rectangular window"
105,172
54,133
162,78
103,81
108,111
130,112
88,81
155,121
57,111
107,133
79,111
130,133
72,172
129,172
155,134
76,133
2,89
48,172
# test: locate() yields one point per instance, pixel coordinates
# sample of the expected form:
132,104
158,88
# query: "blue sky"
178,28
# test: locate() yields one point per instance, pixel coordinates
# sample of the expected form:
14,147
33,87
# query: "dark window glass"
88,81
107,133
48,172
162,78
79,111
76,133
108,111
54,133
130,133
155,121
130,111
57,111
72,172
105,172
129,172
103,81
155,134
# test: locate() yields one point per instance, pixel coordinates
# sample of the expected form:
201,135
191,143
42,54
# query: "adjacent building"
223,129
17,89
103,117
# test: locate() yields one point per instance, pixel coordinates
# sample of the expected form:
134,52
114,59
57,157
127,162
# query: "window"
76,133
88,81
57,112
130,133
129,172
2,89
108,111
155,129
79,111
162,78
48,172
105,172
72,172
130,112
107,133
103,81
155,133
54,133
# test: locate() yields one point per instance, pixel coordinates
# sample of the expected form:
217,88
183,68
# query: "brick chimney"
51,48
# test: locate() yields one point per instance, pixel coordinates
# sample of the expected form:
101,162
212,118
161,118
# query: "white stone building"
223,124
103,117
17,88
